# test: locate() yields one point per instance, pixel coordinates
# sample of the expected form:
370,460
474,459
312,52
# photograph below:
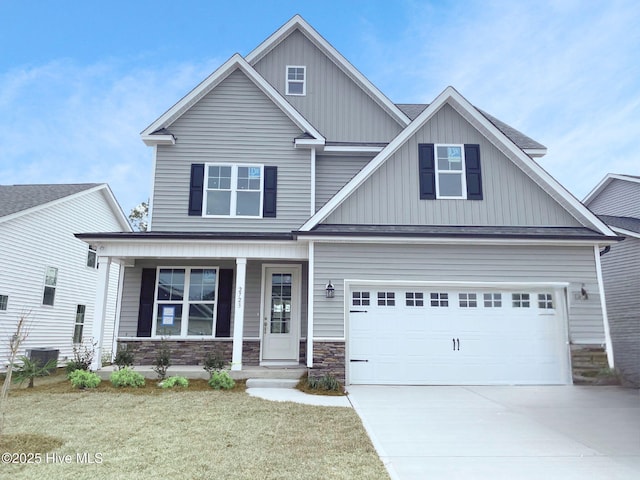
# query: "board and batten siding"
391,195
45,238
333,173
619,198
234,123
621,276
334,103
253,290
463,263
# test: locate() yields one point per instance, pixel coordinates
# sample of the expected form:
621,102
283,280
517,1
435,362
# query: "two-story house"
300,216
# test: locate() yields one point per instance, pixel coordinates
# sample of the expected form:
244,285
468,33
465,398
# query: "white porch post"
603,306
238,317
100,310
116,324
310,285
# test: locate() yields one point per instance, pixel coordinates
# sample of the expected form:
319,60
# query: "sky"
79,80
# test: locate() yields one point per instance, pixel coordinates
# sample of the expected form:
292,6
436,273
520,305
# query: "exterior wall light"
330,291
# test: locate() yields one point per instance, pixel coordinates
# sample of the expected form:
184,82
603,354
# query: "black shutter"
225,298
427,171
145,311
195,189
270,191
473,173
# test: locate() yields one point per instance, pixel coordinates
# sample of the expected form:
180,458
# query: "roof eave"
152,140
535,152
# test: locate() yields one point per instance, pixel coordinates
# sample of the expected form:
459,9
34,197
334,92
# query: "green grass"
192,433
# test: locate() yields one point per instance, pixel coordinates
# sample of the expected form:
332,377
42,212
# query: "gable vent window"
296,80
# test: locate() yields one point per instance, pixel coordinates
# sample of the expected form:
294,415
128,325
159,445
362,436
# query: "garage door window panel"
414,299
521,300
360,299
439,299
386,299
493,300
468,300
545,301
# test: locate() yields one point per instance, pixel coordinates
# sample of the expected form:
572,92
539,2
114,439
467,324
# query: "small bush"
30,369
326,382
213,362
221,380
174,382
126,378
84,379
163,361
82,358
124,359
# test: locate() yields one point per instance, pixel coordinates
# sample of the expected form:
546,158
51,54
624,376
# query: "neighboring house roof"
493,134
17,200
527,144
158,131
609,177
298,23
624,225
451,231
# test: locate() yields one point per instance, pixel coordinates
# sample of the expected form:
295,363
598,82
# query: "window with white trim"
92,257
492,300
545,301
233,190
296,80
79,324
386,299
450,172
520,300
4,303
50,285
414,299
439,299
360,299
468,300
185,302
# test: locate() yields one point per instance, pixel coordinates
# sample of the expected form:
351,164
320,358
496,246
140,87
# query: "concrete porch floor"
293,372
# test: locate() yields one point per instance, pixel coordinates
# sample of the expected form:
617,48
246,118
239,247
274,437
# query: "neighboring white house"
46,273
616,200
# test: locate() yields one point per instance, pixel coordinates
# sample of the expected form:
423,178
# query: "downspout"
605,251
603,304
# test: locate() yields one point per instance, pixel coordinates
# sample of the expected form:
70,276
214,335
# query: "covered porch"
241,297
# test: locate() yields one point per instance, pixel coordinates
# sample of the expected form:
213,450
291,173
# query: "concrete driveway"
549,432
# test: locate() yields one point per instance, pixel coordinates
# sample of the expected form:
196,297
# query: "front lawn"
195,433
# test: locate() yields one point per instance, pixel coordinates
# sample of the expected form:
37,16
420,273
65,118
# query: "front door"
281,314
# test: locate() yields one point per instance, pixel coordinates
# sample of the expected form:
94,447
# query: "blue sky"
80,80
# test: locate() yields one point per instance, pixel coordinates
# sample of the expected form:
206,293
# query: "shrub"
30,369
213,362
163,361
174,382
126,378
326,382
124,359
221,380
84,379
82,358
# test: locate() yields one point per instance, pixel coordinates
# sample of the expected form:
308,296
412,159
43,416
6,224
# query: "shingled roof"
16,198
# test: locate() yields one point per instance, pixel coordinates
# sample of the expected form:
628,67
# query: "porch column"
100,310
238,317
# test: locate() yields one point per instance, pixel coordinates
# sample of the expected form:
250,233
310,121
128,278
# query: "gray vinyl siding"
253,291
333,173
234,123
334,103
391,195
473,263
619,198
621,275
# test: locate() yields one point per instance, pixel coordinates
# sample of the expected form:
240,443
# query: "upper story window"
4,302
50,284
233,190
296,80
450,178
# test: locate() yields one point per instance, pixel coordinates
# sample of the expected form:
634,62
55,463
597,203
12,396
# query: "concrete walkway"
559,432
294,395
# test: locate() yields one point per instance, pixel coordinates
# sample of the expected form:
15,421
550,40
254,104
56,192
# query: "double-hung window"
79,325
233,190
186,302
296,80
50,284
450,172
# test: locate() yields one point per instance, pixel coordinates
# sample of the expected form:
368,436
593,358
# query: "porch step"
271,383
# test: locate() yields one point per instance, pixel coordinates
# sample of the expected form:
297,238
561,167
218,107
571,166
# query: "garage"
456,335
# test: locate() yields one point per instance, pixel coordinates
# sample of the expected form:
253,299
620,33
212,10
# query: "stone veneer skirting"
190,352
329,358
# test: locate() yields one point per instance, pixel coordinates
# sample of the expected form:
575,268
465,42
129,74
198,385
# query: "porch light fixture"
330,290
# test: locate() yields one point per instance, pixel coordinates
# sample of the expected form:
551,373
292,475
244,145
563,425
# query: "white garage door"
445,336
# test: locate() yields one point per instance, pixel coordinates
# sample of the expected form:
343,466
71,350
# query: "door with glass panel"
281,319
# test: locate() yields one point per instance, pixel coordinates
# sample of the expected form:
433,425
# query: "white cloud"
64,122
